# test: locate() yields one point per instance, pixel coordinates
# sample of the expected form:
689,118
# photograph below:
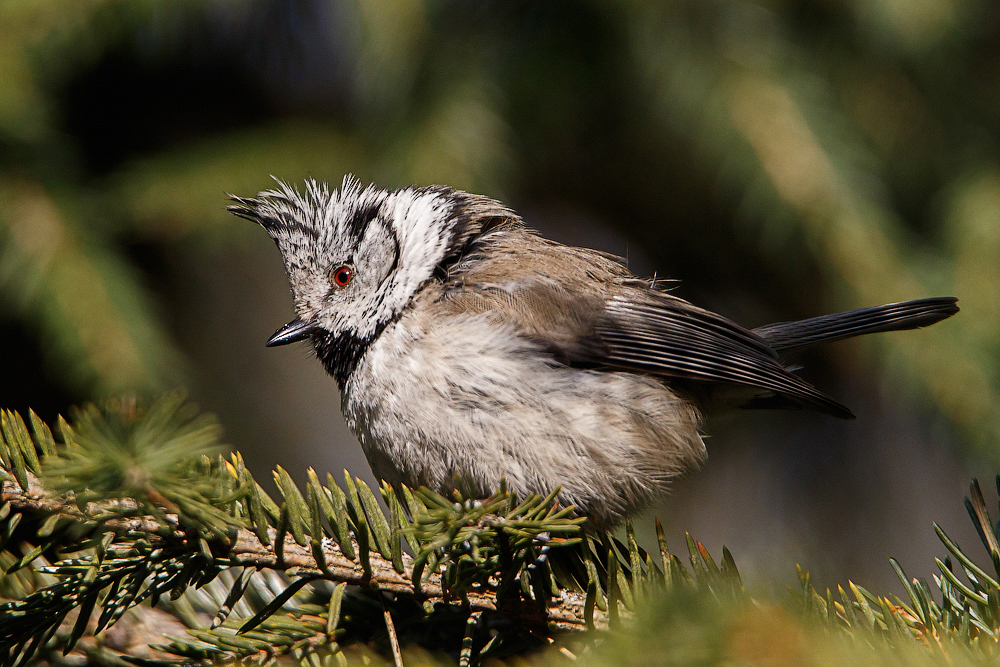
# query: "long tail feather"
891,317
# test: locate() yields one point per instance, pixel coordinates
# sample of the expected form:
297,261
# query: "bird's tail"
891,317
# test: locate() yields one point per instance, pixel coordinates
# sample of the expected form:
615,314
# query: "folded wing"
656,333
590,313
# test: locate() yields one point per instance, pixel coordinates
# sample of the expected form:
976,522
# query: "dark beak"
292,332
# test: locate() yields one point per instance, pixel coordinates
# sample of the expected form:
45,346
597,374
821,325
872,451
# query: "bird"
469,349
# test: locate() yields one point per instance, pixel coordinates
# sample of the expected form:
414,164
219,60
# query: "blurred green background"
783,159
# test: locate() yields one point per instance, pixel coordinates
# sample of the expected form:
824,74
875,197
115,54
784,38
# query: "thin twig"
397,657
465,660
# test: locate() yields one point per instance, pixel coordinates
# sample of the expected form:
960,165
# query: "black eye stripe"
395,254
358,223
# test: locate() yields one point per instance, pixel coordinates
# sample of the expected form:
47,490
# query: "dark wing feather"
656,333
828,328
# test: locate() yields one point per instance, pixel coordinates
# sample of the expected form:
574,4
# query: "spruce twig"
96,524
247,550
390,627
133,504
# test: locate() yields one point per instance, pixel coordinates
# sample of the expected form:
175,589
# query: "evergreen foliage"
135,506
132,508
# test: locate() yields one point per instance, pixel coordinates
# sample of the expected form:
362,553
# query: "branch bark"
566,611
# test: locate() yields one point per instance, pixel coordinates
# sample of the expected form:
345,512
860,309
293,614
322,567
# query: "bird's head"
355,258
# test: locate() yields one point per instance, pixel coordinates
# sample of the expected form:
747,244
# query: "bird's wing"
663,335
588,312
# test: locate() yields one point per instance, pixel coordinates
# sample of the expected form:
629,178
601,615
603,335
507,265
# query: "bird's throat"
342,353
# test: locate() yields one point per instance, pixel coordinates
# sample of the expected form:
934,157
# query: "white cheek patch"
376,260
377,255
419,224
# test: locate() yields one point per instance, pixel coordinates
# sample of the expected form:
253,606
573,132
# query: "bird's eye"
342,275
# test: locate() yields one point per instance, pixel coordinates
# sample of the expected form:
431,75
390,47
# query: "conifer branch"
133,505
247,550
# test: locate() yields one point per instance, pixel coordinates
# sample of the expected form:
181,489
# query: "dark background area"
780,159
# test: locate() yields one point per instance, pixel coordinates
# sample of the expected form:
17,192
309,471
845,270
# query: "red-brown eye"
342,275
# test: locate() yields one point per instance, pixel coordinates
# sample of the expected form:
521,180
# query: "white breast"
436,397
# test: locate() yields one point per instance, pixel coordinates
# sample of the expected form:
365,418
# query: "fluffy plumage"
466,345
